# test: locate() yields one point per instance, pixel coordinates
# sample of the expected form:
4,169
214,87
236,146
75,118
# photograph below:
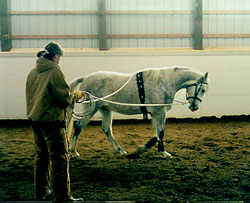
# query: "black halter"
197,90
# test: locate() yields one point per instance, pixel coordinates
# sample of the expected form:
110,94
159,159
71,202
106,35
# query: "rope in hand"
90,99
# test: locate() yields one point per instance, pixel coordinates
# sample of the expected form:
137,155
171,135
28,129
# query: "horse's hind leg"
78,128
107,129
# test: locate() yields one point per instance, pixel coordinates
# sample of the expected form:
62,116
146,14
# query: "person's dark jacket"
47,92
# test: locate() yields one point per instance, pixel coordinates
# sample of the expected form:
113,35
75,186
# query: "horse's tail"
75,84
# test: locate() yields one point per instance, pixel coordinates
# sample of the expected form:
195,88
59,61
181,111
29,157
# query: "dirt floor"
211,161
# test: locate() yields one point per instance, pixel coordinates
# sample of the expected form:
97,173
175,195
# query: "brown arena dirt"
211,161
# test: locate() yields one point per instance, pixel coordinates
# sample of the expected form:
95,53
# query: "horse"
129,94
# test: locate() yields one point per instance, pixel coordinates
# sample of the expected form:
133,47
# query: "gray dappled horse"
160,87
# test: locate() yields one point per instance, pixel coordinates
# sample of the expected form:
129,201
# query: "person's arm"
60,90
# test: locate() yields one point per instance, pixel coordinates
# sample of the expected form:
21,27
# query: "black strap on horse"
141,91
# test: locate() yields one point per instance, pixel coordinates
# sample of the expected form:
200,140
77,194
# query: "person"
47,97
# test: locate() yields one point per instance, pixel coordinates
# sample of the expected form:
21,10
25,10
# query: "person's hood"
44,65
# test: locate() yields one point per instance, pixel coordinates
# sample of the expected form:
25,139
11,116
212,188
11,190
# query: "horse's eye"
203,90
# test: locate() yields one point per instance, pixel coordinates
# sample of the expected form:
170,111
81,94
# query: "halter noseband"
197,90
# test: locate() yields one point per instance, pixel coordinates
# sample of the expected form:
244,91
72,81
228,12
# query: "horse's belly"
126,110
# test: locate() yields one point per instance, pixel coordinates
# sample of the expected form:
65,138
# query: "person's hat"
54,48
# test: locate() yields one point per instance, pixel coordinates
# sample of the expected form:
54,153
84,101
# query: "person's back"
47,97
47,92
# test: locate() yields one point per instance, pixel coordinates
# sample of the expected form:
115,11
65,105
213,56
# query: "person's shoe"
76,199
48,197
69,199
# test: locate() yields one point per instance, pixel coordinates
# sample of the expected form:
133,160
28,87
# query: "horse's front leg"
107,129
158,121
161,150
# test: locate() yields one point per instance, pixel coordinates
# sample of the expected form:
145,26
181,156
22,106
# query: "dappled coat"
47,92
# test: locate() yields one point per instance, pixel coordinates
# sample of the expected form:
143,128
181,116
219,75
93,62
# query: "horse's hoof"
165,155
141,149
122,152
74,154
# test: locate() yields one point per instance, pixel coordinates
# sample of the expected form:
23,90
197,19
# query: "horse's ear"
205,76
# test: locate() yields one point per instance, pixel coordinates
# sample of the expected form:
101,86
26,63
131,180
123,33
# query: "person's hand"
79,95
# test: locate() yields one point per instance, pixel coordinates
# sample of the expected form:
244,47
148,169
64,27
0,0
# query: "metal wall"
86,24
0,31
119,24
141,23
230,22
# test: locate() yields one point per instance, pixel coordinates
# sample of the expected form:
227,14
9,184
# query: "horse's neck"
186,77
176,78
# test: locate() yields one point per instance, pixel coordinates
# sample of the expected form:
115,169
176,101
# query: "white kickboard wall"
229,72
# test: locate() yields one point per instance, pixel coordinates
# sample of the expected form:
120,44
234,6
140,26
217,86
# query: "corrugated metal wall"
229,21
86,24
147,23
131,17
117,24
0,31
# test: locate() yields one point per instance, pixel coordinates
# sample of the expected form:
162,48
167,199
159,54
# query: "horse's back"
106,74
103,82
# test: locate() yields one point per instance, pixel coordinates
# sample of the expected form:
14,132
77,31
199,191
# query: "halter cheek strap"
197,90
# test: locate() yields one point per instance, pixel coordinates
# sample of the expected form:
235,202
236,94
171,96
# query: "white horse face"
196,92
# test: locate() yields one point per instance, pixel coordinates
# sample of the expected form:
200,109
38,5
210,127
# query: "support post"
6,42
102,26
197,24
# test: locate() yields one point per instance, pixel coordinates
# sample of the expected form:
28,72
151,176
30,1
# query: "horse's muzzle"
193,107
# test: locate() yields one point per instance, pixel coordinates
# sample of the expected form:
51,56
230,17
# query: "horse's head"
196,91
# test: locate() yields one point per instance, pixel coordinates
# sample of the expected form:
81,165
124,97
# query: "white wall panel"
229,92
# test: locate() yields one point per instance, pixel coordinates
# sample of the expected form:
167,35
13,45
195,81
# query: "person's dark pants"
51,155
